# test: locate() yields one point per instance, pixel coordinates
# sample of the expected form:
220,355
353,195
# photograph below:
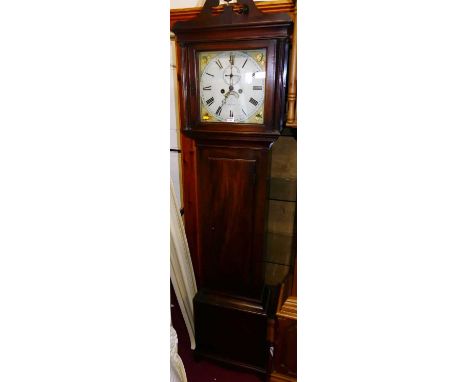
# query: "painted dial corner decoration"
232,86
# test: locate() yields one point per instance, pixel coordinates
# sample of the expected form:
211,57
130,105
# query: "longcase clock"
232,72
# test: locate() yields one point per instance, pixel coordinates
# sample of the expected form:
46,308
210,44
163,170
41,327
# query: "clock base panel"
231,330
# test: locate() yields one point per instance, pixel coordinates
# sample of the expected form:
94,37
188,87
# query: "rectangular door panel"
229,208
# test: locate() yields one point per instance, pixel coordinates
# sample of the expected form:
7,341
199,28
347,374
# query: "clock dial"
232,86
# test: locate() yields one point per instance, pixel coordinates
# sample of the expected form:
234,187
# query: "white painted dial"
232,86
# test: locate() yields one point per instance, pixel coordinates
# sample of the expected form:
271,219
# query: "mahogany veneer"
225,179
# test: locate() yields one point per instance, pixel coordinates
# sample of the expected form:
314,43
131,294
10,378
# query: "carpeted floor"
203,370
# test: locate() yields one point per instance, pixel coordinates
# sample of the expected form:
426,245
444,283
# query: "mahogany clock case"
227,186
232,31
270,125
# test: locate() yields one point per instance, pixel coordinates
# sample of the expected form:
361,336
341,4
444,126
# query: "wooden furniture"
226,172
282,254
291,120
284,366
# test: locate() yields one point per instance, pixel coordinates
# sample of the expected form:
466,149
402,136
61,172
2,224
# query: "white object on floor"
177,366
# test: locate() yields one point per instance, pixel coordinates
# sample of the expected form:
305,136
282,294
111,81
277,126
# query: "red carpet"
203,370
